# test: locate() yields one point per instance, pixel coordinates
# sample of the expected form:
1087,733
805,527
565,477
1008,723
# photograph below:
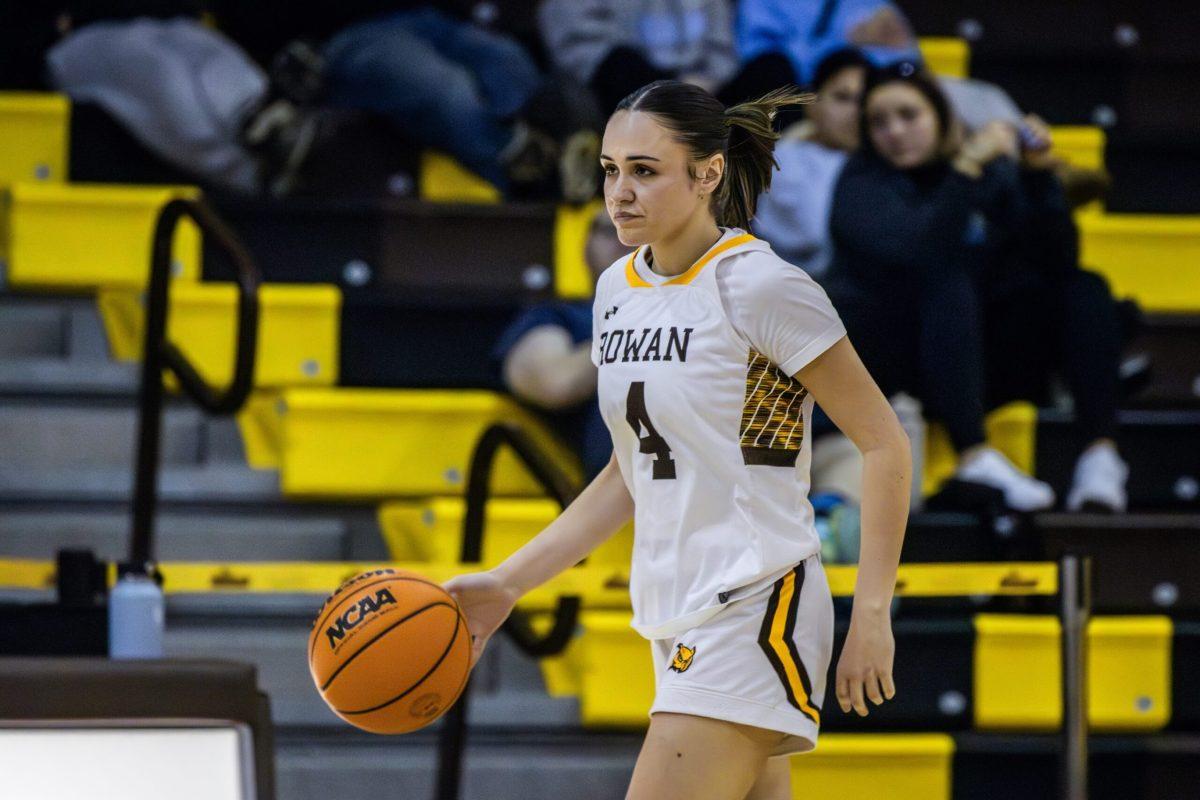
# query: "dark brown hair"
745,134
910,74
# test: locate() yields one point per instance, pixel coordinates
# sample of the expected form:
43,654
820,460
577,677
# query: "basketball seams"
320,623
412,688
380,635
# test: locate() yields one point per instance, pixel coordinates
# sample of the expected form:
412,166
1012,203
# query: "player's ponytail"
750,154
745,133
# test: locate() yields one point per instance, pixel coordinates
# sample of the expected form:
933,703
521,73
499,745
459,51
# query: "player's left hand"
864,670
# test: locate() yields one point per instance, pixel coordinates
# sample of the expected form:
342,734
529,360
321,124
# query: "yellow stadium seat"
1150,258
444,180
615,671
572,276
1080,146
907,766
1011,429
80,237
297,332
431,530
34,136
946,55
387,442
1018,681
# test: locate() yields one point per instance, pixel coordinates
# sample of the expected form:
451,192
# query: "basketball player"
711,350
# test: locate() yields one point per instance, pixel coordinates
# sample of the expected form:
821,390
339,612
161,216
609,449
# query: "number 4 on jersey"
636,416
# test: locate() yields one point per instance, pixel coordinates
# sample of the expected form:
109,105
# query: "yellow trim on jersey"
778,624
694,270
637,281
631,275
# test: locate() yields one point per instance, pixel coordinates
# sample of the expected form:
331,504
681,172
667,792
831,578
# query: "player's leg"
685,757
774,781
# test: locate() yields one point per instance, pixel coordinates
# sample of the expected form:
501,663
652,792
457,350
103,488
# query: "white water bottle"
136,616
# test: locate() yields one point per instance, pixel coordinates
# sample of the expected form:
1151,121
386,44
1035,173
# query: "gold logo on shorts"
683,658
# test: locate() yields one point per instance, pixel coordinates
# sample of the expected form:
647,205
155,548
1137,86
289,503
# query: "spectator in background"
808,31
956,271
544,357
448,83
794,215
618,46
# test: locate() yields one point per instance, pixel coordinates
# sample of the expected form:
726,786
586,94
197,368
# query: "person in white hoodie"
711,351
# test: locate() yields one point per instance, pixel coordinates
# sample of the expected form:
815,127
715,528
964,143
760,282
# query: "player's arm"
840,383
487,598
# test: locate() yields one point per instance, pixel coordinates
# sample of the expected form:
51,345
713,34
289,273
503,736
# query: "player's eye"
641,170
609,169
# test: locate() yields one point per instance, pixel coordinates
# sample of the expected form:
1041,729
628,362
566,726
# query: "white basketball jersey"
709,428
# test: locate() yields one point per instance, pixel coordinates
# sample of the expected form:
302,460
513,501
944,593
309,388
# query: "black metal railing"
453,735
159,354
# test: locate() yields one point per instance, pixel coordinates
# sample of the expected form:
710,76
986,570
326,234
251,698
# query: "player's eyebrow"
629,158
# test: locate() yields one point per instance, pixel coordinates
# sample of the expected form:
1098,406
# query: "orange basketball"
389,651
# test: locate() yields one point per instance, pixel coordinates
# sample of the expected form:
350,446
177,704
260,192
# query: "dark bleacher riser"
399,248
1143,564
1161,447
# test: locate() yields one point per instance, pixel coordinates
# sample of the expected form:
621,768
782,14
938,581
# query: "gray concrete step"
83,448
213,534
272,633
497,765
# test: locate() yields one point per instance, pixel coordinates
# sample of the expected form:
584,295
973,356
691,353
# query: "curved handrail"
453,735
559,485
159,354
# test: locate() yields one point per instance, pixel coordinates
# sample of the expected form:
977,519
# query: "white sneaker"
1021,492
1100,477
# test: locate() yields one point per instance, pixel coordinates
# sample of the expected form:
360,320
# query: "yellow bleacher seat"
386,442
1079,145
431,530
80,237
572,276
946,55
34,136
855,766
1018,681
444,180
1150,258
297,332
1010,429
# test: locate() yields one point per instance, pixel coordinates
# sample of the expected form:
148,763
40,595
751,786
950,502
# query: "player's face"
835,114
903,125
648,190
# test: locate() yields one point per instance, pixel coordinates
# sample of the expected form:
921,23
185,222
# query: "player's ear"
709,173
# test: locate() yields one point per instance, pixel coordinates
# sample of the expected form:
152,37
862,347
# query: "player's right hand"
485,601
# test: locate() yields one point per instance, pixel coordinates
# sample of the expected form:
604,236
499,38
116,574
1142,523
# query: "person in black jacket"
956,271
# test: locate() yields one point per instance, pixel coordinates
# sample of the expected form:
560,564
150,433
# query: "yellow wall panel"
34,136
946,55
914,766
80,237
399,442
1150,258
297,331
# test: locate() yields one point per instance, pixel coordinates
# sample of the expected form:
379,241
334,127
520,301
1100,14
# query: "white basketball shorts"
761,660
